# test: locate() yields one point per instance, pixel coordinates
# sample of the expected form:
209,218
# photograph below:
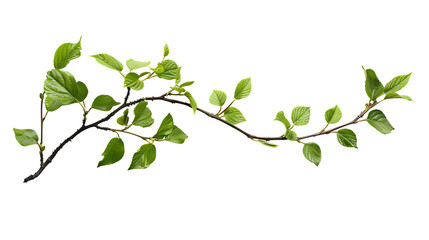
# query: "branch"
354,121
164,98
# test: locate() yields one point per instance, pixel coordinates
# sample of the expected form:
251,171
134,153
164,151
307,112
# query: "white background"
220,185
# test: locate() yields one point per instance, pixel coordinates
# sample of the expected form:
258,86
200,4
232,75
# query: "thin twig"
354,121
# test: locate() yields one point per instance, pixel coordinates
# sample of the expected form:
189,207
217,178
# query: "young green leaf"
291,135
104,103
268,144
301,116
178,89
176,136
123,120
218,98
391,95
143,74
191,101
82,91
347,138
243,89
185,84
378,120
333,115
26,137
312,152
165,128
169,69
166,50
65,53
108,61
397,83
132,81
234,116
178,76
373,87
159,69
142,115
60,88
133,64
282,118
114,152
144,157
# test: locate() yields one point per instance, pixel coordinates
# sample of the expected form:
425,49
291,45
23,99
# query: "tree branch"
164,98
354,121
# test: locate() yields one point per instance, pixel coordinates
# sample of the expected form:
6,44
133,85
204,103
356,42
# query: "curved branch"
164,98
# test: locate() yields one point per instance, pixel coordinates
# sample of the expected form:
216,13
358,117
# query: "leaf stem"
123,131
220,110
42,119
148,77
226,107
46,114
324,127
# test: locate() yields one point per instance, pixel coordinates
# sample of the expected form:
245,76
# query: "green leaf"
281,118
165,128
144,157
178,89
142,115
301,115
347,138
191,101
108,61
143,74
233,115
378,120
52,104
113,153
123,120
104,103
178,76
65,53
169,69
268,144
185,84
61,89
166,50
133,64
82,92
391,95
397,83
312,152
243,89
159,69
373,87
26,137
218,98
132,81
291,135
333,115
176,136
